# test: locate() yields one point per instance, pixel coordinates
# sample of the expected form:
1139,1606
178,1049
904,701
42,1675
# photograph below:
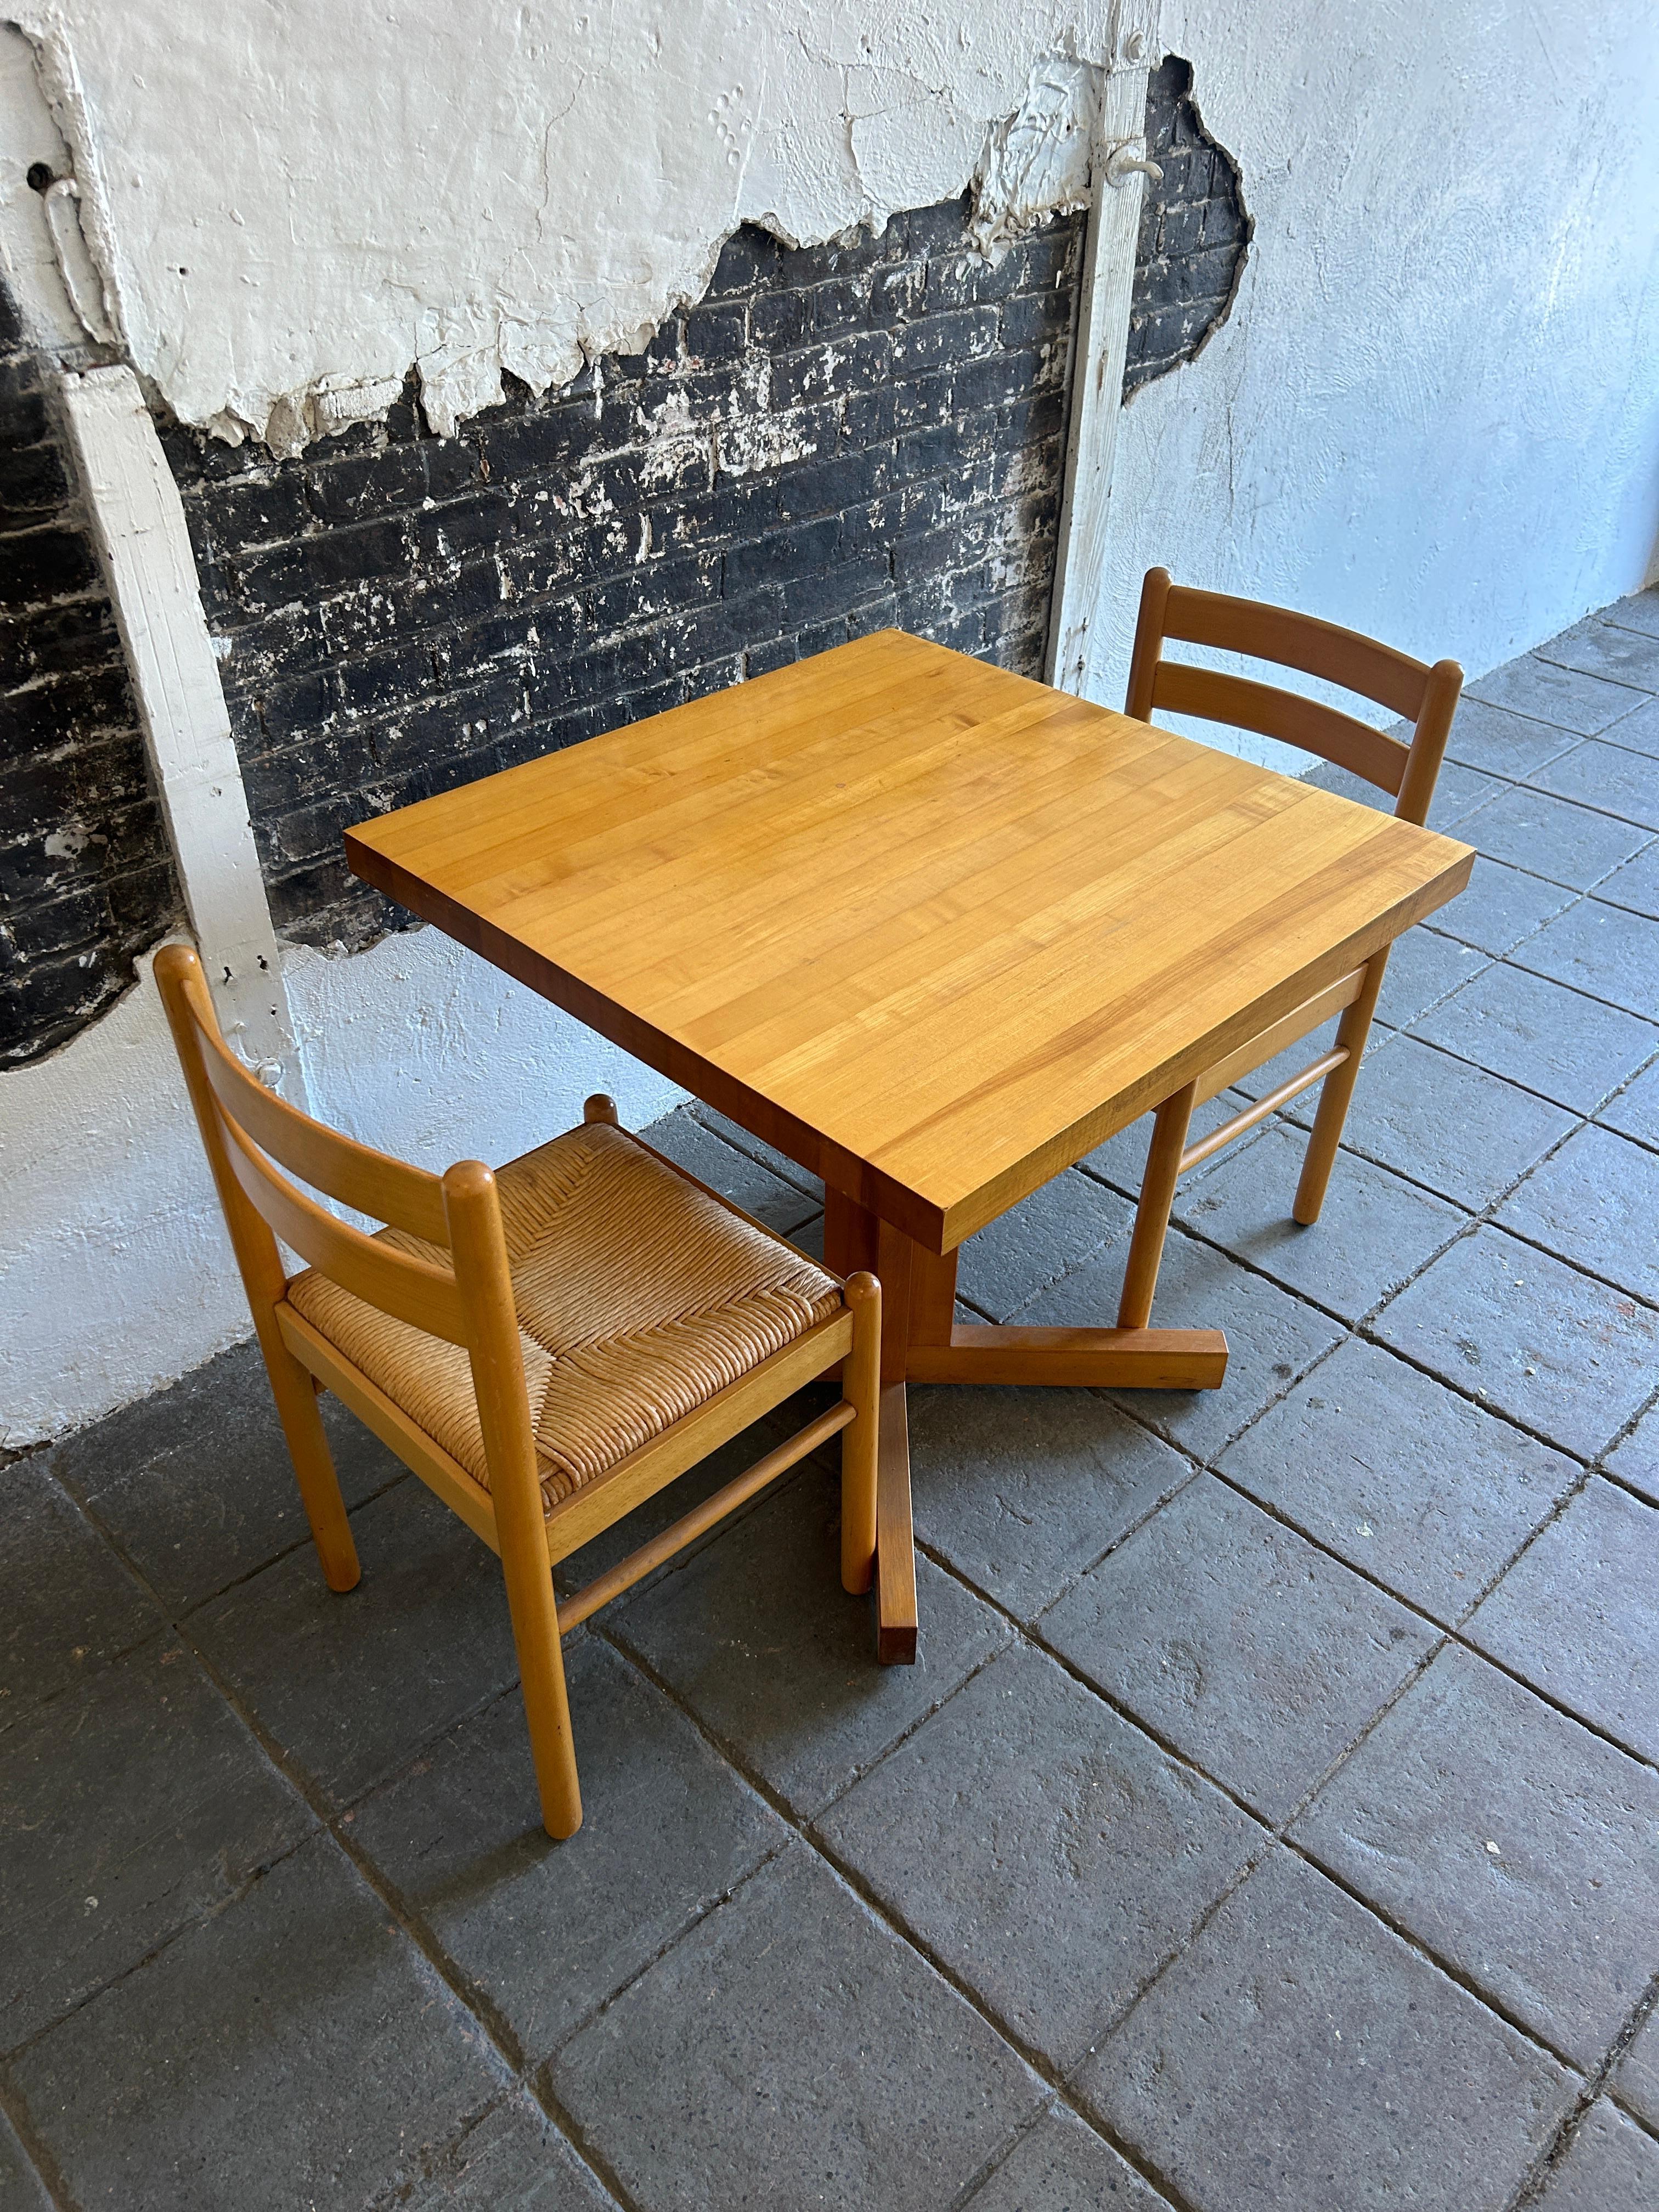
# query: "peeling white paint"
507,187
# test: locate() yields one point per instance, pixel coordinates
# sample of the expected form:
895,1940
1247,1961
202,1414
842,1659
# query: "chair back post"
191,1016
189,1007
1429,742
483,1278
1149,643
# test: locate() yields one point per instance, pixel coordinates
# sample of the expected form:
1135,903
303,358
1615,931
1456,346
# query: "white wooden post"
138,523
1103,337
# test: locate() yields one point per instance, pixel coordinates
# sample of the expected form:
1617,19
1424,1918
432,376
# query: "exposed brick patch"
1194,233
834,440
86,878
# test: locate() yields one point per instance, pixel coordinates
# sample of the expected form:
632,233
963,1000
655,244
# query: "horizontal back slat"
1215,697
408,1288
387,1189
1340,656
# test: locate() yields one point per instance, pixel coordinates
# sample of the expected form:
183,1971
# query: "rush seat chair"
1424,697
546,1345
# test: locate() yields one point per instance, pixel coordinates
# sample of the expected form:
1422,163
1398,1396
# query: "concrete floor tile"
295,2049
1440,1120
513,2159
1635,1111
1297,2058
70,1605
196,1482
1395,1473
1423,969
1027,1807
1636,885
1606,951
744,2073
1638,731
1376,1232
757,1636
1614,650
22,2189
129,1805
1595,1202
1034,1243
1640,610
690,1489
1270,1337
1503,743
1571,698
1636,2078
1610,2166
351,1685
1252,1653
1458,791
756,1147
1550,1040
1609,777
1567,1357
1501,907
1577,1615
1122,1160
1020,1490
548,1931
1635,1461
1569,845
686,1139
1061,2166
1512,1843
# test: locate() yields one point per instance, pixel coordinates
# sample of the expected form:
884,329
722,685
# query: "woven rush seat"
639,1295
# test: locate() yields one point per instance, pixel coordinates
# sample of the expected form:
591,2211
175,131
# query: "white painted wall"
1434,414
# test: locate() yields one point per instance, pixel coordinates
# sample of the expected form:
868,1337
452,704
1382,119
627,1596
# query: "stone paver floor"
1272,1821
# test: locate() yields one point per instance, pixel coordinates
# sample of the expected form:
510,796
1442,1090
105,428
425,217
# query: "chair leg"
295,1392
1157,1190
535,1616
1334,1094
860,1441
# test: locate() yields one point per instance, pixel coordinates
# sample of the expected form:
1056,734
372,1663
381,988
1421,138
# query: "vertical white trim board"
1103,339
138,523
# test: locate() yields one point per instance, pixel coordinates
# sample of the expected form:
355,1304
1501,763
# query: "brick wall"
1194,233
833,439
86,879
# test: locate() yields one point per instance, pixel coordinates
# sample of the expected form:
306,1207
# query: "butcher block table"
932,930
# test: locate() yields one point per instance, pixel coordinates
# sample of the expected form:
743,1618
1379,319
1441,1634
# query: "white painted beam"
1101,343
138,522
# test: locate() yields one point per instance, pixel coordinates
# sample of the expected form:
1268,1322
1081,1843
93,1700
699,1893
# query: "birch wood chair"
1426,697
546,1346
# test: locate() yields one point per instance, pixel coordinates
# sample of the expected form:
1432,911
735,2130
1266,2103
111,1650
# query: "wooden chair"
1426,697
545,1347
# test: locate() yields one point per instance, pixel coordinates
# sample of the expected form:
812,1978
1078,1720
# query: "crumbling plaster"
505,186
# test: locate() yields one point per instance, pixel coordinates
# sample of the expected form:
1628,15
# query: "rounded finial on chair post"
599,1108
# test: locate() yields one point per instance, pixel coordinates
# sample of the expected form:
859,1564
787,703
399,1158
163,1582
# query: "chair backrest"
1426,697
251,1135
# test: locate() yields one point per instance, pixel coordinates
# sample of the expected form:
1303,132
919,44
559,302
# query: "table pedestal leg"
854,1238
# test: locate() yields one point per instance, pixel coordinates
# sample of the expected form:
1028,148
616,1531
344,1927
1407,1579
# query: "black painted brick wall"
86,878
1194,233
834,440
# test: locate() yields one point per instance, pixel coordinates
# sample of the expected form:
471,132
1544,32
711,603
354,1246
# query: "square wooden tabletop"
933,929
